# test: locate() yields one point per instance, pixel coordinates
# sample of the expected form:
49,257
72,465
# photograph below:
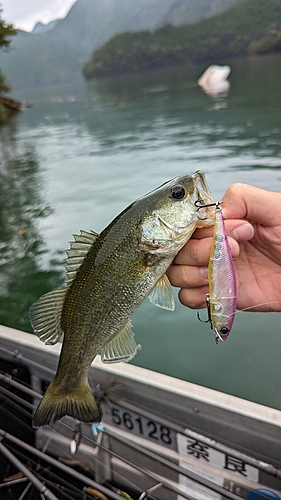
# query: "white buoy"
214,80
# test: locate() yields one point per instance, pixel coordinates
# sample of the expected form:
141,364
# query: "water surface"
82,153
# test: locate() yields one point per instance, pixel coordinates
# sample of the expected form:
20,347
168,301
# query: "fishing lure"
221,299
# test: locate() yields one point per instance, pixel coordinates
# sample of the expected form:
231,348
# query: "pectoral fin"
122,348
162,294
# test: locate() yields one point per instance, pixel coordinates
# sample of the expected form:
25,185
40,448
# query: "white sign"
204,454
196,490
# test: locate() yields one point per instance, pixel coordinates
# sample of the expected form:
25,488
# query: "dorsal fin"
45,313
77,252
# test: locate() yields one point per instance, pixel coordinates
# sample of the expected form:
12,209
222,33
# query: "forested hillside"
57,56
246,27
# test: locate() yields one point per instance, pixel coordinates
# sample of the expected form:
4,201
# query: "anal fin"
122,348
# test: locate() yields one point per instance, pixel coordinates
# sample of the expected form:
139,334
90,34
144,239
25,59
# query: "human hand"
253,225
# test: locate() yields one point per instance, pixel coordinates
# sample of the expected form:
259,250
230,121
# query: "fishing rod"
259,464
59,465
158,458
21,467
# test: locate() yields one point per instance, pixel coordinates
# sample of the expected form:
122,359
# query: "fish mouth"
202,187
203,194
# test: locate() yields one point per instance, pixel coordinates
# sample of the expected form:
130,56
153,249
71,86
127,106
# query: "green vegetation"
6,31
247,27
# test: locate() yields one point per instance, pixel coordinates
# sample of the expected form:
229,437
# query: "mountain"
42,28
246,27
58,55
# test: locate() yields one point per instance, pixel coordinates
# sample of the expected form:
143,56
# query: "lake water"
82,153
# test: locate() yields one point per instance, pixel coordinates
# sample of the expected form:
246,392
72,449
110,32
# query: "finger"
245,230
187,276
242,201
239,230
197,252
203,232
194,298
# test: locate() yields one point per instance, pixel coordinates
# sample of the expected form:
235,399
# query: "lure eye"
224,330
178,192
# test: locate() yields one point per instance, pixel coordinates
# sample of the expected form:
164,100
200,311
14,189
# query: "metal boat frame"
161,438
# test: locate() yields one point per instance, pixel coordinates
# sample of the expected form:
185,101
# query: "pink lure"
221,299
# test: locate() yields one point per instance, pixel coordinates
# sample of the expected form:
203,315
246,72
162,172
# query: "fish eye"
178,192
224,330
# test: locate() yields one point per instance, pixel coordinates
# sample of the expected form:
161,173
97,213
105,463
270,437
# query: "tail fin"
78,403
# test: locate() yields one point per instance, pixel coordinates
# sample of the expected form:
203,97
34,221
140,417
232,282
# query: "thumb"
244,231
242,201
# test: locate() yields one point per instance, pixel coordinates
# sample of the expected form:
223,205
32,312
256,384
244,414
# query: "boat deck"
161,438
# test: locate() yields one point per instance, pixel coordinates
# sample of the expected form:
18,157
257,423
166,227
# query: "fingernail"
244,232
204,272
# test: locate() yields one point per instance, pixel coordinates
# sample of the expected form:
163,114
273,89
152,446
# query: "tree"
6,31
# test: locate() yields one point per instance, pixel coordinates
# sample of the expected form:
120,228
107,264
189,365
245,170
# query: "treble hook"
209,319
198,204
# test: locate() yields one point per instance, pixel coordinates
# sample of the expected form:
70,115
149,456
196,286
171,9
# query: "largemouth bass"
109,275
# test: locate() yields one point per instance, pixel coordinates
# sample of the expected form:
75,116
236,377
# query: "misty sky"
24,14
